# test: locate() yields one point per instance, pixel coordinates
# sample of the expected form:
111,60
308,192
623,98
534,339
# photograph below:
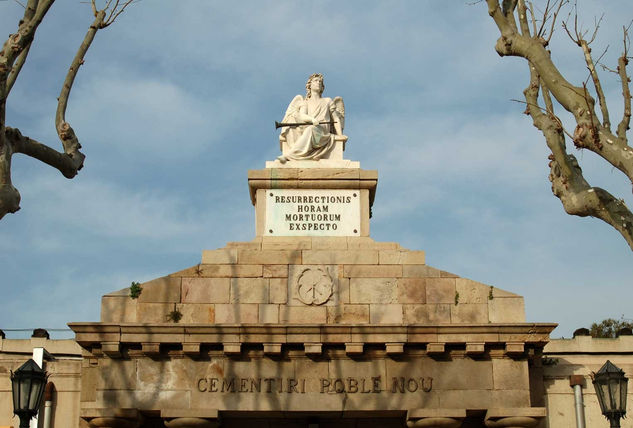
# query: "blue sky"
176,101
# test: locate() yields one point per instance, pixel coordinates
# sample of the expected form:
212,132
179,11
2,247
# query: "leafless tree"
12,58
526,35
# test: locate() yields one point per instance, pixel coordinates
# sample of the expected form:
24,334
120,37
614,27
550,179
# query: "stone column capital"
191,422
513,422
514,417
113,422
434,423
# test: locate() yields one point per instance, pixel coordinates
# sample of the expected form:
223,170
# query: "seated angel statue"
317,123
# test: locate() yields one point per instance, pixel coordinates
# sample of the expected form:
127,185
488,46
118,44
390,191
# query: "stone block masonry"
279,280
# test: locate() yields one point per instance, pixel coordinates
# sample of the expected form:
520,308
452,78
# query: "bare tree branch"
67,164
64,130
115,13
13,56
523,20
561,3
17,67
568,184
606,122
29,12
623,61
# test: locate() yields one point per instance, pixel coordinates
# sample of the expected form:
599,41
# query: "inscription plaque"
312,212
350,385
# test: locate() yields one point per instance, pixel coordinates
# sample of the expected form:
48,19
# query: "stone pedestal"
316,201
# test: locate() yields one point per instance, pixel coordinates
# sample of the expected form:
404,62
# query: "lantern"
611,386
28,384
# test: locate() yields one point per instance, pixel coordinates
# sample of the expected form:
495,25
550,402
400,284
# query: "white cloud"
150,117
101,209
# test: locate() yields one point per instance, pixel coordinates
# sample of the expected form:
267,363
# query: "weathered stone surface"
516,398
249,290
220,271
89,376
373,290
255,244
275,271
145,399
440,290
173,375
427,314
286,243
220,256
205,290
348,367
348,314
469,399
118,309
269,257
465,374
506,309
329,243
471,291
401,257
116,374
367,243
372,271
366,257
510,374
465,313
343,291
312,371
269,314
412,290
160,290
154,312
203,313
245,313
278,290
303,314
385,314
420,271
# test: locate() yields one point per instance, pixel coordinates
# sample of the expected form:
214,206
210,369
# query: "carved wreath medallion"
314,286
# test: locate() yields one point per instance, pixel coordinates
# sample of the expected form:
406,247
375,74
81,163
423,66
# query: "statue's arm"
303,116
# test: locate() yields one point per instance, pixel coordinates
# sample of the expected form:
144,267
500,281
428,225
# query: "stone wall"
582,355
257,282
63,365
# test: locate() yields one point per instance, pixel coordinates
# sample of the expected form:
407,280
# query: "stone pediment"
312,291
314,280
333,325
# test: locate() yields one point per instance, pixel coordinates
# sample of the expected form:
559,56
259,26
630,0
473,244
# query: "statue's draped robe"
315,140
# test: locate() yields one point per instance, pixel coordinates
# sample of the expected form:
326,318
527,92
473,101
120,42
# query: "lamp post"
28,384
610,385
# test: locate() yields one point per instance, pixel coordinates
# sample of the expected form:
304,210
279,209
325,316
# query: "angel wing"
291,111
339,107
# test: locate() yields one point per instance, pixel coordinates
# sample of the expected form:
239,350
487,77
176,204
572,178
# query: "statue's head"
314,77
